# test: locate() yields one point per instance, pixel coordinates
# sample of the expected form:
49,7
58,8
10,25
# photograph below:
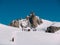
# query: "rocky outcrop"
30,21
52,29
14,23
34,20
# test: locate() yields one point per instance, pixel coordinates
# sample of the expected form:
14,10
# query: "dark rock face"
52,29
14,23
34,20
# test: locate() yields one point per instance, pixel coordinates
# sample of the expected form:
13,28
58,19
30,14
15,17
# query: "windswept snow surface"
44,25
6,34
57,24
39,37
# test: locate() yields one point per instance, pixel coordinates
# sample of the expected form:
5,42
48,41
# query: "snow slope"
38,37
6,33
44,25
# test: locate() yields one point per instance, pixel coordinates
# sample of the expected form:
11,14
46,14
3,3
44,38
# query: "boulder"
52,29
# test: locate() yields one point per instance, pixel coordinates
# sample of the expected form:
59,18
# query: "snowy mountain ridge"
41,27
33,22
30,32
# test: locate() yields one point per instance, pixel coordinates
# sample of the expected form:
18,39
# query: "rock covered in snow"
31,21
14,23
35,23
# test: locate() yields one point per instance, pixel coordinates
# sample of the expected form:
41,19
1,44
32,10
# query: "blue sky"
15,9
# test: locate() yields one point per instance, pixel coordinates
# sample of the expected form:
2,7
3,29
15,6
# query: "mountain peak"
31,21
34,22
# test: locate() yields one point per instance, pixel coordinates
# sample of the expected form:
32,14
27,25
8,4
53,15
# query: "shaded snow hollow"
38,37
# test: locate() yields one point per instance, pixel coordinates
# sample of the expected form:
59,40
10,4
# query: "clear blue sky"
14,9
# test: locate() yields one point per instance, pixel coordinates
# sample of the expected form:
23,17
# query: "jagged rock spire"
32,13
